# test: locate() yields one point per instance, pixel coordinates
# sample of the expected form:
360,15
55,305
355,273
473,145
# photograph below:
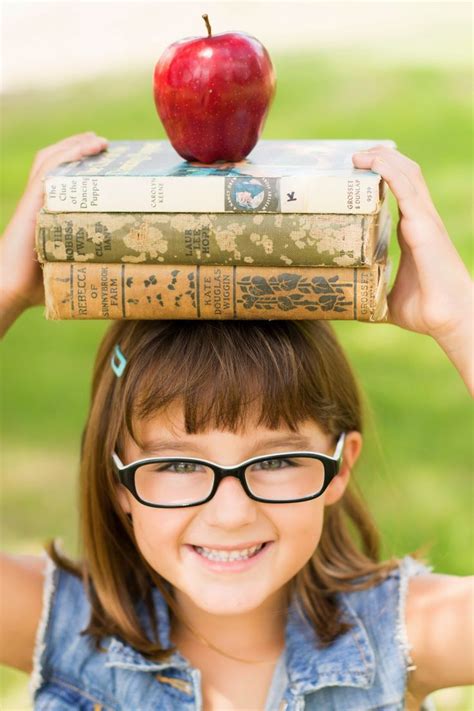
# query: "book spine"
124,291
182,238
359,193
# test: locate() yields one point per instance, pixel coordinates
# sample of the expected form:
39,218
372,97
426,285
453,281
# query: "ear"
123,499
352,449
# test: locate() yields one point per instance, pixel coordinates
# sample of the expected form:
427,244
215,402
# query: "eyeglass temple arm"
118,466
339,447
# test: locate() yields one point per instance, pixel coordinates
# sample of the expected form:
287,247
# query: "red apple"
213,93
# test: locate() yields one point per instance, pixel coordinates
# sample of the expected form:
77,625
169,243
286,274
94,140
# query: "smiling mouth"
228,556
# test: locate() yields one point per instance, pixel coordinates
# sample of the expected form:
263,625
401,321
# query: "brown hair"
287,372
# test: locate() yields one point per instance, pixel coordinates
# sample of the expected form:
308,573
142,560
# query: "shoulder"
381,611
389,595
370,661
59,644
423,621
434,593
70,671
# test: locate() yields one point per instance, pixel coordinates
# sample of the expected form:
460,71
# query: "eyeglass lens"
182,482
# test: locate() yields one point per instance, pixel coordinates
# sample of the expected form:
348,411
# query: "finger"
34,195
44,152
65,143
75,150
414,174
402,295
411,199
407,166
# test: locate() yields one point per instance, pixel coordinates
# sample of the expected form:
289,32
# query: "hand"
432,292
21,275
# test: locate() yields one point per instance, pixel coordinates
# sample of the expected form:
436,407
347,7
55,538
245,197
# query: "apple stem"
206,20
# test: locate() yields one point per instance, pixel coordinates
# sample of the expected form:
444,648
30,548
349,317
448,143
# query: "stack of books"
293,231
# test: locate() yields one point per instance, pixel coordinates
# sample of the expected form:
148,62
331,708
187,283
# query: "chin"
227,601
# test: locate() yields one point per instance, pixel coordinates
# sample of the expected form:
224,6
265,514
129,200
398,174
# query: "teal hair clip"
118,361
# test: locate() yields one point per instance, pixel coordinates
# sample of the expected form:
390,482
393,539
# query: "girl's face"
231,521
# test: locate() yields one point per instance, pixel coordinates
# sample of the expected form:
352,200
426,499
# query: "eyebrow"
294,441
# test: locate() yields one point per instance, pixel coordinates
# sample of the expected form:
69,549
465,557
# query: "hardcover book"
140,291
299,176
263,239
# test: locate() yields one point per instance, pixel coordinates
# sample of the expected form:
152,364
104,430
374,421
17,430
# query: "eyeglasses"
280,478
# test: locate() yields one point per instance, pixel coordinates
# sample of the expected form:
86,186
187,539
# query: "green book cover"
228,239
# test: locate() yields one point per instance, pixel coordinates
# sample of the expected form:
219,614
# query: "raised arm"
20,273
433,292
21,577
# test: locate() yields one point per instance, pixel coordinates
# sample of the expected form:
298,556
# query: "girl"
226,562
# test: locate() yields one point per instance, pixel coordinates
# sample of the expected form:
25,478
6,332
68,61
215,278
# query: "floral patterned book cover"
140,291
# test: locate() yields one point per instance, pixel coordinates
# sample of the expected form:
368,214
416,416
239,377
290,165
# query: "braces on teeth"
228,555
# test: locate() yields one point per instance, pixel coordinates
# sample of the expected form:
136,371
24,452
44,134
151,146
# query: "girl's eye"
273,464
178,467
182,467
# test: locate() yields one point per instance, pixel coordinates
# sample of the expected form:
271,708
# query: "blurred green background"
416,468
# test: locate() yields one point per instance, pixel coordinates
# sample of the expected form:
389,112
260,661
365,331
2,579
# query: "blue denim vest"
365,668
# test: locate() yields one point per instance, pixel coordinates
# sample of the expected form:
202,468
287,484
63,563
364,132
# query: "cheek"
158,533
300,531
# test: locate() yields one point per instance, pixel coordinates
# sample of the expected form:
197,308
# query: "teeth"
213,554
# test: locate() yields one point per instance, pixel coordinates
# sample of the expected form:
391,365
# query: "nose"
230,506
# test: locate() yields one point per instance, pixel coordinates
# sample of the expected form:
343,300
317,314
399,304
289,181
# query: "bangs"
227,374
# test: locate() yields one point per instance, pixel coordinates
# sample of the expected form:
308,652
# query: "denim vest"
365,668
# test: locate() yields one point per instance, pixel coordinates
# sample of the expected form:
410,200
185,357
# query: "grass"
416,470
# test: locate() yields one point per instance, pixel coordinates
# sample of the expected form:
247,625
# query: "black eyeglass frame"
126,474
